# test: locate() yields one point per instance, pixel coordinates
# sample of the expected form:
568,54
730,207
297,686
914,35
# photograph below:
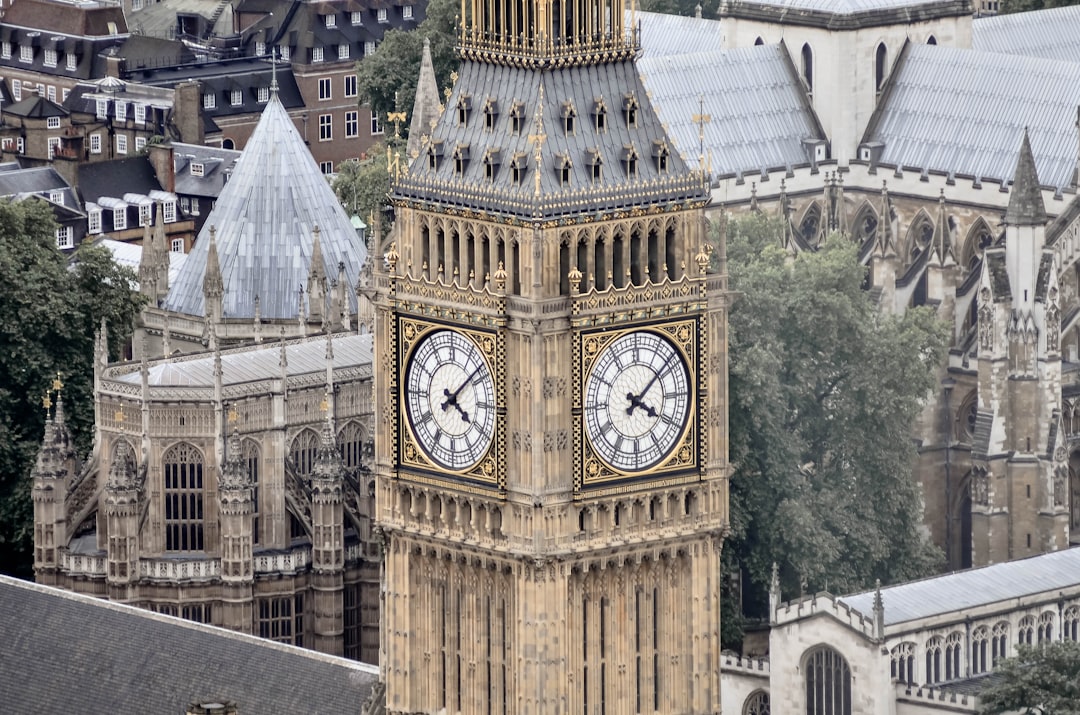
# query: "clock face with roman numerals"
450,399
637,401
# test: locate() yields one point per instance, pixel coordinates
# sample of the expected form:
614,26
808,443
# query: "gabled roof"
66,653
844,14
759,114
216,164
264,221
961,591
31,180
1050,34
82,19
663,34
964,112
35,107
117,177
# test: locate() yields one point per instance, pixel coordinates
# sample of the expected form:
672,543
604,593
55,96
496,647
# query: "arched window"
759,41
808,67
903,663
1025,631
933,660
953,645
1046,627
757,703
810,225
1071,623
228,144
828,683
250,451
980,648
999,643
351,444
931,40
304,447
880,58
183,494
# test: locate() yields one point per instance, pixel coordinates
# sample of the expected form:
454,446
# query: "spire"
426,104
941,244
1026,206
213,286
235,474
161,255
273,72
885,223
316,288
328,464
879,612
148,266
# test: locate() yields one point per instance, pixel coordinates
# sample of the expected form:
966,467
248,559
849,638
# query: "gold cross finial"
234,416
324,405
120,414
397,118
57,385
46,402
538,136
701,119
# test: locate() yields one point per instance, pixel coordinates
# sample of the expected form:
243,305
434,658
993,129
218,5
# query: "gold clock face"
449,393
637,401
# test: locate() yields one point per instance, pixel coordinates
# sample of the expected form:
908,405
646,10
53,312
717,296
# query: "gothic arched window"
828,683
808,67
351,444
933,660
757,703
183,495
880,58
250,452
1046,627
1071,623
953,645
903,663
304,447
980,650
1025,631
999,643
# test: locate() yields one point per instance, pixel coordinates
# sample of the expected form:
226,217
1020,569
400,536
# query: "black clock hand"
636,400
451,397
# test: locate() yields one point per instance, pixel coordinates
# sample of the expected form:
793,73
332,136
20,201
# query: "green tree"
674,7
49,316
1010,6
362,186
386,80
1044,680
824,391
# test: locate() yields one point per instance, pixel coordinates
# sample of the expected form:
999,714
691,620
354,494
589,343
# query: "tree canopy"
49,314
824,391
1009,6
387,79
362,186
1041,680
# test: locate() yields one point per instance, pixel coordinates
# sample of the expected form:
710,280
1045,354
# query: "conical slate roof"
265,219
1026,206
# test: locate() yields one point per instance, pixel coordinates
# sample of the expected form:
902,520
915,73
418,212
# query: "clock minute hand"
451,397
636,400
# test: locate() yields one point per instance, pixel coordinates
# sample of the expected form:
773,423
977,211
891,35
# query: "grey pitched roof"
67,653
844,14
758,109
1050,34
30,180
35,107
264,219
117,177
158,19
426,104
258,363
963,112
577,89
964,590
216,163
663,34
1026,206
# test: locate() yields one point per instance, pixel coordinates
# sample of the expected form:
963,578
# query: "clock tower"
550,388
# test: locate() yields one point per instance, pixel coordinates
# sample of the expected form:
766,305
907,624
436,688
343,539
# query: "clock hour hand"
451,397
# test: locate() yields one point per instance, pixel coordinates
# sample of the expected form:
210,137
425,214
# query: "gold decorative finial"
119,415
234,416
702,258
324,405
575,279
701,119
500,277
397,118
392,256
538,137
46,402
57,385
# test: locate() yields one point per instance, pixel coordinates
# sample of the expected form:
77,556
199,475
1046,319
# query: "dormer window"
435,150
316,54
491,113
630,161
331,20
464,104
492,159
563,165
517,117
381,15
661,152
461,158
357,17
197,168
569,114
595,163
630,109
518,167
120,218
599,112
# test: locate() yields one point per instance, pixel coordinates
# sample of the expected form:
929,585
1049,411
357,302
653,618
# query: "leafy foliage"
824,393
387,79
49,316
362,186
1008,6
673,7
1042,680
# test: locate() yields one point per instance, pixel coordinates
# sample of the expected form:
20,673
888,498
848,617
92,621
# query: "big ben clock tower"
551,388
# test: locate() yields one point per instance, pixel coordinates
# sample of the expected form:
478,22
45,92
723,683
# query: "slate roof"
33,180
663,34
580,89
260,363
843,14
69,653
759,112
117,177
87,19
964,590
964,112
216,163
264,218
1050,34
222,77
141,51
158,19
35,107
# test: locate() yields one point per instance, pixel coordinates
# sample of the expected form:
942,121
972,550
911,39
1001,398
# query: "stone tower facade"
550,389
1020,460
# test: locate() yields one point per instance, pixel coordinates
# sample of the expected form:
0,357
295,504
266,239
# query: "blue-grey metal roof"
758,112
265,219
963,590
1051,34
842,7
65,652
962,111
260,363
663,34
